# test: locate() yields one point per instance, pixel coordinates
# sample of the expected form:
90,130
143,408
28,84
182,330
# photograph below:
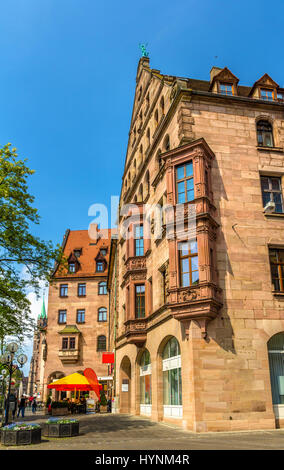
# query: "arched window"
102,288
172,385
102,314
101,343
148,137
264,134
145,384
158,159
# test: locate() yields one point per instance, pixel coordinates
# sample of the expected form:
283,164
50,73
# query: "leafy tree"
25,260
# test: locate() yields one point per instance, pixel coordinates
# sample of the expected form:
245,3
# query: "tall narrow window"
101,343
276,258
63,290
139,240
185,183
272,191
80,316
140,301
264,134
102,314
62,316
64,343
188,259
72,342
81,290
72,268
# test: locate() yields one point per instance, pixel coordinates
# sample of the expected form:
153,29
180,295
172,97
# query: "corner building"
199,321
78,328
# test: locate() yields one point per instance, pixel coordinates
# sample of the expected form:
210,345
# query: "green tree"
25,260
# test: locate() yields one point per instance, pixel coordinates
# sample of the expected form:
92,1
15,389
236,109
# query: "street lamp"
7,362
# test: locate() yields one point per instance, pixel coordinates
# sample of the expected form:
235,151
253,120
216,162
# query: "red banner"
108,358
93,380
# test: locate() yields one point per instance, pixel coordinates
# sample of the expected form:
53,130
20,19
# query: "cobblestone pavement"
125,432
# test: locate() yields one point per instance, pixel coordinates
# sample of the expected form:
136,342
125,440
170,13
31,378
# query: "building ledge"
270,149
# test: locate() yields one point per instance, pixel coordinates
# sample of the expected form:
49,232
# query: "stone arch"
143,374
125,385
55,375
275,348
264,126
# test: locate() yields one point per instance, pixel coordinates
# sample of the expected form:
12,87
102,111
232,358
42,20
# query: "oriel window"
185,183
276,258
272,191
72,343
188,261
139,240
264,134
140,301
64,343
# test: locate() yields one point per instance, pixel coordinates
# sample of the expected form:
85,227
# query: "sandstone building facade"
78,326
198,330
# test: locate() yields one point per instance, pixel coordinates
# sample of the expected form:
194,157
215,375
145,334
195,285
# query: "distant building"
37,364
78,317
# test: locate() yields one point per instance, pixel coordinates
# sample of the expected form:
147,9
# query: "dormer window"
266,94
103,252
280,96
78,252
100,266
226,89
72,268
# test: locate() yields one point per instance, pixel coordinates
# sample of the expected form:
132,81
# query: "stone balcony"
68,355
136,331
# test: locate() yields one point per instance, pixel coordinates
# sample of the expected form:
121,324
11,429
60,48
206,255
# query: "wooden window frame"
79,287
104,288
141,245
79,312
72,342
65,288
260,123
100,311
280,277
59,314
224,92
270,90
99,342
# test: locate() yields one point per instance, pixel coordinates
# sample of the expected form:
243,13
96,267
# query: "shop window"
271,189
145,381
102,314
172,383
102,288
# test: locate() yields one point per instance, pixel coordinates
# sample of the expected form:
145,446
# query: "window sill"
82,295
270,149
63,296
278,294
274,214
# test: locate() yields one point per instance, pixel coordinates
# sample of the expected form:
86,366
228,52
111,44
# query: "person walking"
22,406
34,405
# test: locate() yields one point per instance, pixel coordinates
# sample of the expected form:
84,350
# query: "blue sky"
67,82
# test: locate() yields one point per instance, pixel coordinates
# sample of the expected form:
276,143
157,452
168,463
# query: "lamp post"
7,362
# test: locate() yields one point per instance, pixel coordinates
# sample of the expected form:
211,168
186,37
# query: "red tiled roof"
80,239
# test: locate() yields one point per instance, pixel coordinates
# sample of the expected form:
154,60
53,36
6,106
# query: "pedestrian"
13,408
22,405
109,405
34,405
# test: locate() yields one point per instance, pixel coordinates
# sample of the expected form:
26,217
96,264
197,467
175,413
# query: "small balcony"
68,355
136,331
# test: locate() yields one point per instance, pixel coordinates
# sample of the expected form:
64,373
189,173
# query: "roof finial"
143,49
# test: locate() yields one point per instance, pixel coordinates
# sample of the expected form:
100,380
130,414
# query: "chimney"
213,72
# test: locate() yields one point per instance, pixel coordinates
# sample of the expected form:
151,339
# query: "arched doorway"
145,376
172,383
125,385
276,365
56,395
